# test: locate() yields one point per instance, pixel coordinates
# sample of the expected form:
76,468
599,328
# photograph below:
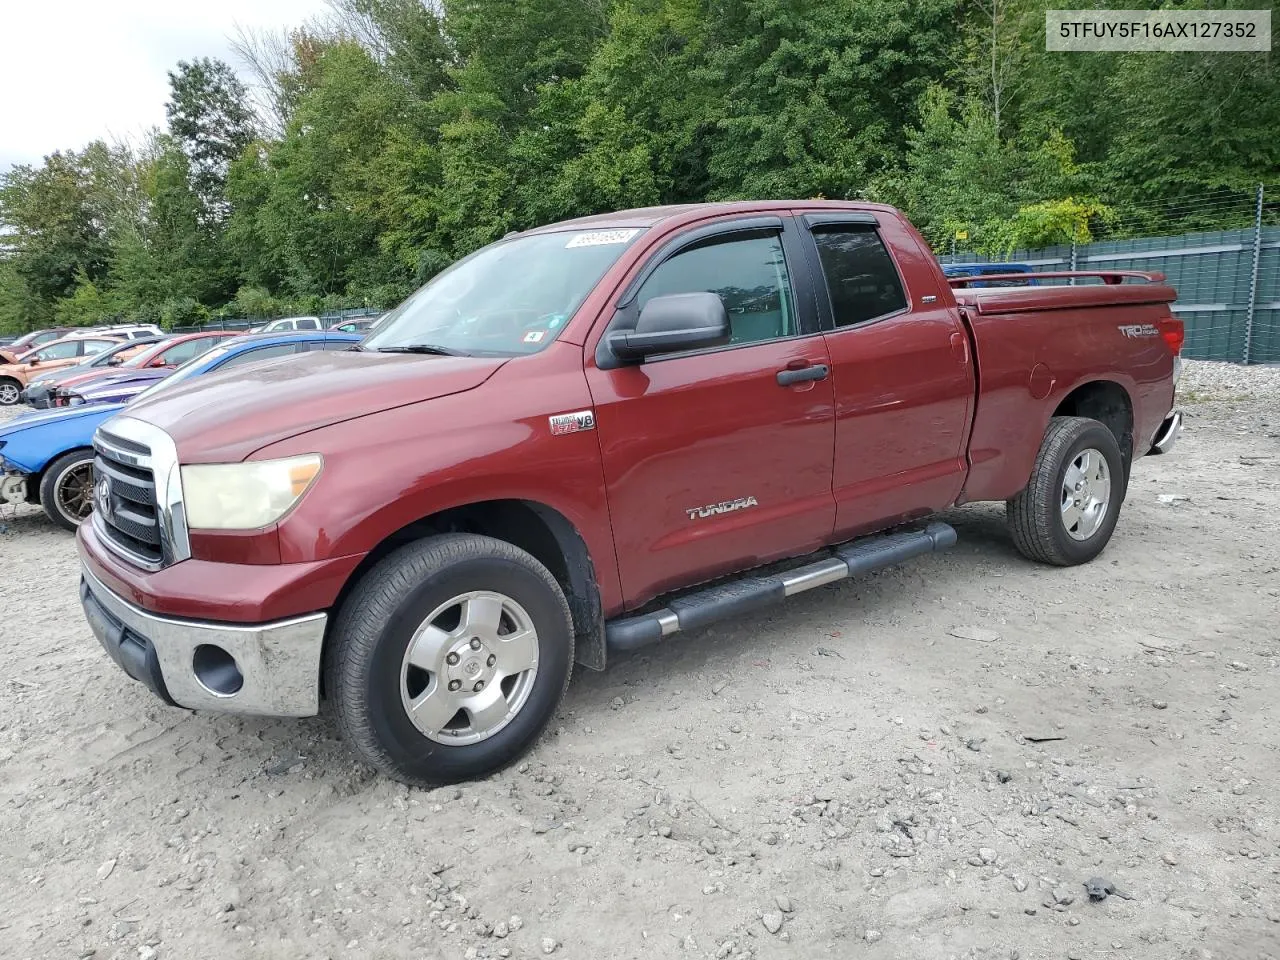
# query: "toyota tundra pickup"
592,436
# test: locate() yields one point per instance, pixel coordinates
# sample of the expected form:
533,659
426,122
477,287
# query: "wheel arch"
37,478
541,531
1110,404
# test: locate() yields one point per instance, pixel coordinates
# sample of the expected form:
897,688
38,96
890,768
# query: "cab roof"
649,216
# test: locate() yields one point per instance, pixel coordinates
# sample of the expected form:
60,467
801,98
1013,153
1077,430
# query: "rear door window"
93,347
182,352
861,279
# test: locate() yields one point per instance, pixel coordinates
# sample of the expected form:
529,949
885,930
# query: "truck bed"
1036,346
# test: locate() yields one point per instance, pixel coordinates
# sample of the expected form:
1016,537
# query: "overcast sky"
77,70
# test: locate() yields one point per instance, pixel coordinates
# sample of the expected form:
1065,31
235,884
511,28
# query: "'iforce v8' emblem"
563,423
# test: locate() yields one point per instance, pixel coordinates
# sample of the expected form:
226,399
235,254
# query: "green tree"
57,217
209,116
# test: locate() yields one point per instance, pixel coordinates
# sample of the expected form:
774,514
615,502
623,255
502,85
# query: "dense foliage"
382,143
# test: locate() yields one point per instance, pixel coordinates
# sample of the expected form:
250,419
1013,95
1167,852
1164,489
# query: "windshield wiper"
434,348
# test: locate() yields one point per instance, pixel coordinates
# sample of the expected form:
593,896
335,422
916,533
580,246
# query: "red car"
169,353
676,415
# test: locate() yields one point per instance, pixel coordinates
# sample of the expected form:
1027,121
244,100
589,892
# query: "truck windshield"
507,299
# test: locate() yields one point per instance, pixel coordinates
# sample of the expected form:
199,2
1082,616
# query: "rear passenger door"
711,462
901,369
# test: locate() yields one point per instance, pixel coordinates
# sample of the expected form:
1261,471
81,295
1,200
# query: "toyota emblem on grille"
104,496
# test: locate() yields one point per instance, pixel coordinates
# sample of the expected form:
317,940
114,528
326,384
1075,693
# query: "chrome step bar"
751,593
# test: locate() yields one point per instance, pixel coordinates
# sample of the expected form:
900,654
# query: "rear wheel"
10,391
449,658
66,490
1068,511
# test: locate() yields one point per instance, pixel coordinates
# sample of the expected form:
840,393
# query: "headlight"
245,496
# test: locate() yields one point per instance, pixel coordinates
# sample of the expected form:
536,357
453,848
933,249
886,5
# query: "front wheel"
449,658
66,491
1068,511
10,391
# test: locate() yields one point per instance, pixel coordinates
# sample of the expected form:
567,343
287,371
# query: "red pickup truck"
588,437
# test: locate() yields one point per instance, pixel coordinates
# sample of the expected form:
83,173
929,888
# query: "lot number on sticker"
534,336
599,238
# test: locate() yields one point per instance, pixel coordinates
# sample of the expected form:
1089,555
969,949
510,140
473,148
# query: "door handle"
816,371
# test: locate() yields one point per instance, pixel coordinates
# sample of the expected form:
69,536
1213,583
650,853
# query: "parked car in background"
40,387
289,323
154,363
358,325
126,331
46,456
29,341
52,356
989,269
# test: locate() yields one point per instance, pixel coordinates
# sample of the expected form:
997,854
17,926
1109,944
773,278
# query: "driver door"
713,462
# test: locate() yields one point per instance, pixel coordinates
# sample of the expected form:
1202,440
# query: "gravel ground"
924,763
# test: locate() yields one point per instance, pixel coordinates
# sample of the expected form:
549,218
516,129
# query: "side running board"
749,594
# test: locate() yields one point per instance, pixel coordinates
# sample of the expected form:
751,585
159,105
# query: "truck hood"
224,417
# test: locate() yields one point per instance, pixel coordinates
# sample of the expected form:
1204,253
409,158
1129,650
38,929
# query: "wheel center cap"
471,668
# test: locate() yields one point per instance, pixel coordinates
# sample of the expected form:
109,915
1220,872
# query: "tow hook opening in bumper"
1167,435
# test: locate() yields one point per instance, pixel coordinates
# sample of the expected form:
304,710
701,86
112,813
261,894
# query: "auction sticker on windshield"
600,238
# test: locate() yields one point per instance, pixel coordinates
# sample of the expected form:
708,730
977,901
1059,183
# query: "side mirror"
670,324
158,362
35,361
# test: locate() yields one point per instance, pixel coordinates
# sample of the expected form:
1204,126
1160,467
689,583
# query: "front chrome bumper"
1167,435
270,669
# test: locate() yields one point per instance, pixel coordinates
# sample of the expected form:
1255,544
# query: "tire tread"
357,629
49,496
1028,520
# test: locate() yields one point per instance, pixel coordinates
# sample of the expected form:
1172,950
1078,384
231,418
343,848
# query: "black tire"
1035,515
369,638
55,489
10,391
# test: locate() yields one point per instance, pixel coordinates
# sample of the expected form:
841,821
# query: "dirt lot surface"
924,763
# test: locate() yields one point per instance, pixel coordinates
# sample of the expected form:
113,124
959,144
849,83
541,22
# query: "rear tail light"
1174,333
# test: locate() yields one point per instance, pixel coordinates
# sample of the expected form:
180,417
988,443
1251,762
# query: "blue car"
46,456
986,269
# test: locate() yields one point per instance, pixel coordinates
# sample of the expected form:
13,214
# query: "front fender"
386,471
32,442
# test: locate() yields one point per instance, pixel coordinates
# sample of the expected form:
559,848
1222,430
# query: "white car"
289,323
126,331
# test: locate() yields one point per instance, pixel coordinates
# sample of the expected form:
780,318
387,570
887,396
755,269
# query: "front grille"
125,501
